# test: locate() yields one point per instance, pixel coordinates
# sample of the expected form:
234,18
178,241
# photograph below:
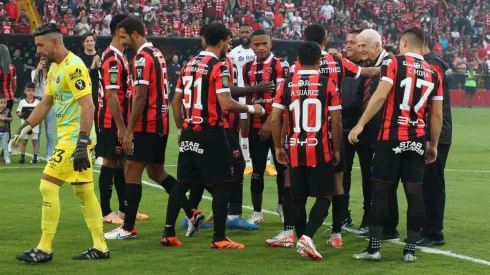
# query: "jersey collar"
380,58
147,44
115,49
208,54
418,56
267,61
324,53
307,72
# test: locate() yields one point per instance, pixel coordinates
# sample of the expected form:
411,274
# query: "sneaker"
429,242
35,256
348,222
121,234
306,245
365,255
270,170
227,244
409,258
113,218
240,223
210,217
285,238
93,254
22,161
34,161
363,230
194,224
170,241
248,170
335,240
185,224
141,217
257,218
7,161
280,211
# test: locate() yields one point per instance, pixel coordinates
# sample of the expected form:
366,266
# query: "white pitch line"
21,167
423,249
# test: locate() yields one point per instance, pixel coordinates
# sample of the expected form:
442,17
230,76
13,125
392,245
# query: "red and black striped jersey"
114,75
414,83
7,80
307,97
150,69
272,69
231,120
200,81
334,67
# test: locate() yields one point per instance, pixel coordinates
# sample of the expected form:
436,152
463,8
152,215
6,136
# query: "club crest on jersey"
58,80
269,70
140,62
76,74
236,154
387,62
118,150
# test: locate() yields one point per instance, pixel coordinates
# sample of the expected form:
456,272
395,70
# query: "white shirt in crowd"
39,92
24,103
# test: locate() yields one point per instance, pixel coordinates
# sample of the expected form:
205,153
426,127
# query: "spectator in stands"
20,68
459,67
39,79
23,24
12,11
83,27
470,86
8,79
3,12
487,70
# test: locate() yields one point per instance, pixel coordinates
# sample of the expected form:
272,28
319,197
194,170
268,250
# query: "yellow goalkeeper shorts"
61,167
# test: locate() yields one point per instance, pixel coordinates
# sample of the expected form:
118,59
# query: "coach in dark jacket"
369,42
173,75
434,182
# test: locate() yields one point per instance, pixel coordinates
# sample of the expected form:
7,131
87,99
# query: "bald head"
370,45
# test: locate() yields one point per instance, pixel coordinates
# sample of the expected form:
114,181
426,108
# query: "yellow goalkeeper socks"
50,214
92,213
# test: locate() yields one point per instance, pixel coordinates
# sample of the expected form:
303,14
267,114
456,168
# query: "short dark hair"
309,52
315,33
132,24
115,21
203,29
259,32
245,25
87,35
46,28
391,49
356,31
30,85
415,36
2,96
214,33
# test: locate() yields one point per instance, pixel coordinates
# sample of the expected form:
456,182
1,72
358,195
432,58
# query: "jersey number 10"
296,107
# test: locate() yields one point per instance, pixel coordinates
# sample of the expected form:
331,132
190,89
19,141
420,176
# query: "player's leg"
4,141
285,238
385,175
269,169
389,231
339,203
434,189
365,155
120,186
349,153
35,147
23,150
258,153
50,189
244,127
280,176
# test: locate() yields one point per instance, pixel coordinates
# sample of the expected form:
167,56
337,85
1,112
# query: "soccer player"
408,85
335,68
309,99
204,157
146,135
266,67
113,115
69,91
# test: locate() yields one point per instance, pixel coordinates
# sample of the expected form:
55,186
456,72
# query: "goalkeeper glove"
81,160
18,138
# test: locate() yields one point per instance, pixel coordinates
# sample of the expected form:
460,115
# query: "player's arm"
436,111
87,113
142,80
355,71
276,126
14,80
177,106
334,110
112,84
262,87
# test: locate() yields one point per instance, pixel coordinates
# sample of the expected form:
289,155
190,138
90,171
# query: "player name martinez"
196,70
190,146
418,69
304,92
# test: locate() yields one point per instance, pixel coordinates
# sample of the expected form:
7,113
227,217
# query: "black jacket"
447,126
352,92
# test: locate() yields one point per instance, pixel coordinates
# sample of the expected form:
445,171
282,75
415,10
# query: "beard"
222,53
245,41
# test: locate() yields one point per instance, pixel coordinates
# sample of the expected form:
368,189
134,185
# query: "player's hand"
81,158
336,157
354,134
18,138
282,156
265,86
128,142
430,154
121,132
265,132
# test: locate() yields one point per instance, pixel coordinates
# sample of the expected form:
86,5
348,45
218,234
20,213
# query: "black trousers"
365,152
434,189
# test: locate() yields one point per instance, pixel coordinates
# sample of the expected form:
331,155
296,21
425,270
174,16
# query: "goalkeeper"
69,90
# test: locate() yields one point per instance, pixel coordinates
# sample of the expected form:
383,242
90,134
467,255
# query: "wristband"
83,138
251,109
179,131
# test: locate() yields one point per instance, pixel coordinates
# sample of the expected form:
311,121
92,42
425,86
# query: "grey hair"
5,60
370,35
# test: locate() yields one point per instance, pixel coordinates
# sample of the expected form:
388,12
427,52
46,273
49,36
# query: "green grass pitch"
466,225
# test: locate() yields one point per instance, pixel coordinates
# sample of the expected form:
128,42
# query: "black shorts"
315,181
109,144
148,148
234,145
470,90
204,155
393,160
